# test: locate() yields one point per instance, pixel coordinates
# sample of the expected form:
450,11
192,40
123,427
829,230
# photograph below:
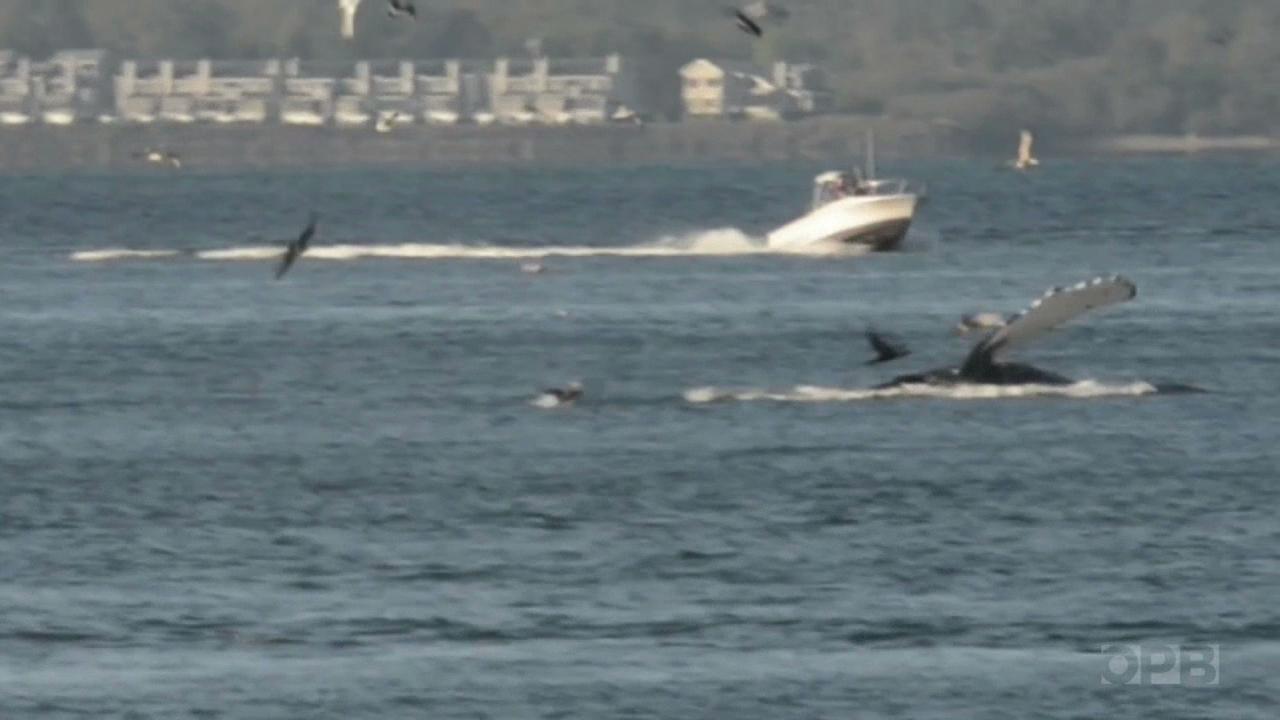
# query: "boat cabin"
837,185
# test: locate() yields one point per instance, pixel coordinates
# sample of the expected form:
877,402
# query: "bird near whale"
979,321
887,349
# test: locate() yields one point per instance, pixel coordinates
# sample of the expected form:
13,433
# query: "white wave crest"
722,242
109,254
1083,389
242,253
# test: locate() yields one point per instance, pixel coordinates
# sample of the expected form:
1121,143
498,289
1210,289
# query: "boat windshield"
831,186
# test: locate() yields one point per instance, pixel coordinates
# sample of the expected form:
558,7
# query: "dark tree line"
1070,66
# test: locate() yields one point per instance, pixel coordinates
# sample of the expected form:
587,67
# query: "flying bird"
749,17
1025,158
160,157
384,123
558,397
396,8
747,25
979,321
348,10
886,349
296,248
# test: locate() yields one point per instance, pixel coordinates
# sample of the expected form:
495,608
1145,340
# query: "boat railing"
893,186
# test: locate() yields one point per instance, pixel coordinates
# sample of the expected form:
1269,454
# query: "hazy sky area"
1066,66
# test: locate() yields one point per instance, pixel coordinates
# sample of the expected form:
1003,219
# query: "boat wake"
722,242
124,254
1084,389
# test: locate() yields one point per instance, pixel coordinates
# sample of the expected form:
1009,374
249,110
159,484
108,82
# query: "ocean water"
332,496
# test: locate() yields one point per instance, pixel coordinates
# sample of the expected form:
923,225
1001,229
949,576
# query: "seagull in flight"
296,248
396,8
1025,158
886,349
980,321
750,16
384,124
160,157
348,10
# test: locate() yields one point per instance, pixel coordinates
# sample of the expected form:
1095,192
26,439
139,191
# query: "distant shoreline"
836,139
1188,144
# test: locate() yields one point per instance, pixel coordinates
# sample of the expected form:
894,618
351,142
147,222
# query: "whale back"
1050,310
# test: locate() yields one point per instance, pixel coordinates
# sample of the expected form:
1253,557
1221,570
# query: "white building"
368,93
717,88
559,91
197,91
292,91
62,90
16,102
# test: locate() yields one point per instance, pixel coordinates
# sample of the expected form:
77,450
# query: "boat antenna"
870,156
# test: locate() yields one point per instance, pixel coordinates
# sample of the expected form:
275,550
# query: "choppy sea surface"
333,496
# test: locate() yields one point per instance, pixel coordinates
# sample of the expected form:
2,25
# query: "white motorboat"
850,209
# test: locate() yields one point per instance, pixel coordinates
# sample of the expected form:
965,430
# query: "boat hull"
878,223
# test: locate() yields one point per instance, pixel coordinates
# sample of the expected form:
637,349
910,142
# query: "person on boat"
854,184
847,186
